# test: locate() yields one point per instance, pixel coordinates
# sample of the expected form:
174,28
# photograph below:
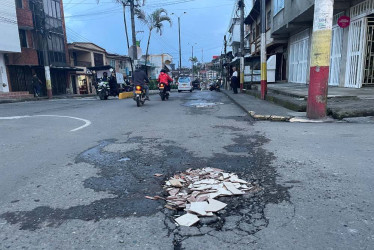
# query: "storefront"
299,57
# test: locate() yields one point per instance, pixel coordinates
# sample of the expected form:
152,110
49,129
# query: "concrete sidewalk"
342,102
262,110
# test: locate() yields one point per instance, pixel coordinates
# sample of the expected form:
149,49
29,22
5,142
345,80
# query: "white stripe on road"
87,122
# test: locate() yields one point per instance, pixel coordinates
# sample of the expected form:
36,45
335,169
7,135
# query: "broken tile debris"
196,191
187,220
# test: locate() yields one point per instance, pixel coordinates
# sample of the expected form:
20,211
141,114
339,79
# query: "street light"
179,31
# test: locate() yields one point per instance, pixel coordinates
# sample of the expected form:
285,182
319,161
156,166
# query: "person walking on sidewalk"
36,85
234,80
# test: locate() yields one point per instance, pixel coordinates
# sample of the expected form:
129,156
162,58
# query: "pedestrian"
36,83
234,81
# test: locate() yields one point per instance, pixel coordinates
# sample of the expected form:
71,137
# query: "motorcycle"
103,90
215,86
140,95
163,91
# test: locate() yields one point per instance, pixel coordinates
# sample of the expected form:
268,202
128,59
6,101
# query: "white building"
159,62
10,38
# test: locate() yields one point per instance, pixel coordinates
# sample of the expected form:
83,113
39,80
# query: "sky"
203,26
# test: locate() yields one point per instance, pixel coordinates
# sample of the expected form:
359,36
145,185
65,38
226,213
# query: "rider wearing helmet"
165,79
141,78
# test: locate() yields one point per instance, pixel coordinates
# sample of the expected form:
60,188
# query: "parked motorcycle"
215,86
139,95
103,90
163,91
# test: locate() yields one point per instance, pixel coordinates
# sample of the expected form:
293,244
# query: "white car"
184,84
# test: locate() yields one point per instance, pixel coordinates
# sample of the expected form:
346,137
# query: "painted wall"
4,86
9,27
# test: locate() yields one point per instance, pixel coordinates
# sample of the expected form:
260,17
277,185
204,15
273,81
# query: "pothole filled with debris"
196,192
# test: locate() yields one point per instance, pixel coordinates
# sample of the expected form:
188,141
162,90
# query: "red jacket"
164,78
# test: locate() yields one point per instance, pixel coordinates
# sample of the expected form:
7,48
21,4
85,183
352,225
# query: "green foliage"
153,85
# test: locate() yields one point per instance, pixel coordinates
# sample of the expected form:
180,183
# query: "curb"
275,118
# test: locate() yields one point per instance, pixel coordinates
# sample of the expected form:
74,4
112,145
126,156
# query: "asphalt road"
74,173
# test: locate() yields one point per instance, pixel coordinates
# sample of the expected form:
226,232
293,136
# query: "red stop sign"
344,21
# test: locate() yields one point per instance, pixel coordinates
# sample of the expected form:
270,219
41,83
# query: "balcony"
24,19
82,64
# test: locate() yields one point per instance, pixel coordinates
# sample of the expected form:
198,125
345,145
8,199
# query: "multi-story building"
122,66
9,29
352,50
82,56
159,62
43,46
274,45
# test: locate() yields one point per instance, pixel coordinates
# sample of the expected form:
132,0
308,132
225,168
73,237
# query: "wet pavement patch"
130,181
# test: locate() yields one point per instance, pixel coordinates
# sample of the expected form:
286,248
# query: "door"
356,53
74,84
369,61
298,63
336,55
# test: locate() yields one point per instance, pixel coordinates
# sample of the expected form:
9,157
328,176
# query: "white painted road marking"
87,122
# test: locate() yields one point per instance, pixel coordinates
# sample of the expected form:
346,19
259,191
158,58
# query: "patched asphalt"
197,130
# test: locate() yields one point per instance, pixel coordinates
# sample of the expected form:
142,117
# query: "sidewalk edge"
259,116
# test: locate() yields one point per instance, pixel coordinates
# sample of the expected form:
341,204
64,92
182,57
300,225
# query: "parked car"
184,84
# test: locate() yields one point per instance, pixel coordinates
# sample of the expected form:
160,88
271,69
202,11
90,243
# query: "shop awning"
67,68
104,67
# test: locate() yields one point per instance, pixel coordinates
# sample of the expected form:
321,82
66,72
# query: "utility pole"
225,59
192,60
135,48
127,35
47,69
241,6
263,51
180,47
320,59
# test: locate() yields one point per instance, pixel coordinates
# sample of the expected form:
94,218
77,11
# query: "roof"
87,46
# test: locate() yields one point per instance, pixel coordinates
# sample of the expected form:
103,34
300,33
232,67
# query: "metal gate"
356,53
299,51
369,62
336,53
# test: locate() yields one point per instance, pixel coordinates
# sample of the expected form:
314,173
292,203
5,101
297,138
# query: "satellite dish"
139,52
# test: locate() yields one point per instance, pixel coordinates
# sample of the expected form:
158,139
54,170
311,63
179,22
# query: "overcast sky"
205,24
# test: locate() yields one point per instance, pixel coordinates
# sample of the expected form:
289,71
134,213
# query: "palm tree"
154,21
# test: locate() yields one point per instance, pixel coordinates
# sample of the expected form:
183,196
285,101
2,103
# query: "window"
23,38
19,4
52,8
113,63
278,6
268,20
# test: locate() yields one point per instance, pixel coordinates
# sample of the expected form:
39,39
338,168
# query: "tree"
154,21
194,60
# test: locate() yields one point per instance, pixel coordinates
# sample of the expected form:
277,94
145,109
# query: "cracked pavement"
85,190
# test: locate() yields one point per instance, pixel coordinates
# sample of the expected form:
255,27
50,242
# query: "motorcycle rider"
105,77
113,84
165,79
141,78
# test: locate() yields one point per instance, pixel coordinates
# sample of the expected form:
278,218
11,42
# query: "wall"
9,28
3,75
292,9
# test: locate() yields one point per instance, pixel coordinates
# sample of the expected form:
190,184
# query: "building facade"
352,52
43,43
82,56
158,63
9,29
